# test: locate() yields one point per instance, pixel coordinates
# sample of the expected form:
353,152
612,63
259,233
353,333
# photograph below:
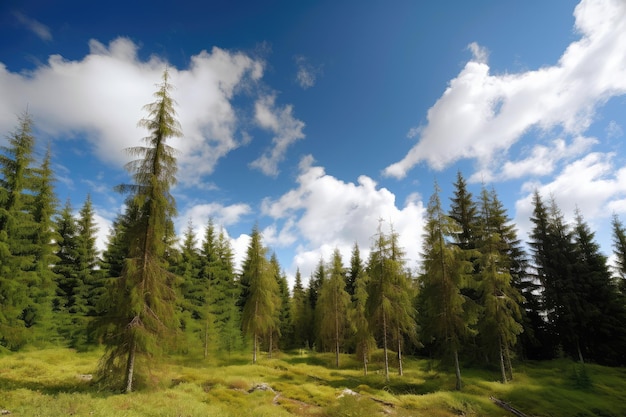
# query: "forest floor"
58,382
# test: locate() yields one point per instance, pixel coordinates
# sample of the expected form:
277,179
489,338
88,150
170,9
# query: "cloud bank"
100,99
326,213
481,115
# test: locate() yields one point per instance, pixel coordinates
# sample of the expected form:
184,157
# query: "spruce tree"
227,315
285,323
356,267
66,274
87,260
17,230
43,211
600,313
193,291
445,315
333,307
363,334
499,323
301,313
142,319
619,250
262,301
389,305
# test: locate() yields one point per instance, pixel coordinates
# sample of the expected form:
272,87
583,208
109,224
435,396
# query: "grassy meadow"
56,382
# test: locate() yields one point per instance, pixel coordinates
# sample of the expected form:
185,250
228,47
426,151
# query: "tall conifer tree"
332,307
389,305
445,315
262,301
142,314
17,228
499,323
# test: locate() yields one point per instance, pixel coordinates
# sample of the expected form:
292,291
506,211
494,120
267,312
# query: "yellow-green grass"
56,382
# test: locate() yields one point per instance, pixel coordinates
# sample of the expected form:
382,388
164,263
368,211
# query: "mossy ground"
55,382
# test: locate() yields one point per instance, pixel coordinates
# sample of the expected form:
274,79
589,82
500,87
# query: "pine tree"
619,250
600,313
333,307
445,316
285,322
464,211
193,291
142,314
363,334
44,237
301,313
65,270
499,323
261,303
227,315
87,260
315,283
17,230
356,268
389,305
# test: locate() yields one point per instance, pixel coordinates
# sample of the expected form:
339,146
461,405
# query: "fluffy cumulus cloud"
327,213
592,184
285,128
540,160
481,115
101,97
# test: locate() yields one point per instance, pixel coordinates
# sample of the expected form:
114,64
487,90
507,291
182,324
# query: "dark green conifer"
141,319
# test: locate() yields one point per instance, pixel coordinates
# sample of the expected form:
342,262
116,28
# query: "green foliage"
499,323
445,317
26,197
389,304
333,308
261,304
141,319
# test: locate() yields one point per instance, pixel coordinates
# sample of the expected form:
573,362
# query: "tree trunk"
269,351
507,356
385,346
457,370
502,368
130,366
400,371
365,362
254,347
580,353
336,339
206,339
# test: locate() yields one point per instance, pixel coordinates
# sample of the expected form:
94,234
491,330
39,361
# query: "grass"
55,382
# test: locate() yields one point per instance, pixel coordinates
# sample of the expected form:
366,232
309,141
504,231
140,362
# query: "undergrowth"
59,382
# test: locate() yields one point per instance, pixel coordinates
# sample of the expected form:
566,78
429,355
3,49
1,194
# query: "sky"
319,120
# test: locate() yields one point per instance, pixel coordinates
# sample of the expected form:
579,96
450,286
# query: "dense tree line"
478,295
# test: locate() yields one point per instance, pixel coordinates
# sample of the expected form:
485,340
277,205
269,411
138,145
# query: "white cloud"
38,28
102,96
286,128
542,160
591,184
200,214
327,213
481,114
480,54
306,74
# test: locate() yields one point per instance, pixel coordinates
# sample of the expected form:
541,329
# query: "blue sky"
315,119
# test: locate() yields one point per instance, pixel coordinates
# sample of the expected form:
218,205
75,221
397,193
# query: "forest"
481,296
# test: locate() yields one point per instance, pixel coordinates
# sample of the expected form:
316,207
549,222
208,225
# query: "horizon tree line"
478,295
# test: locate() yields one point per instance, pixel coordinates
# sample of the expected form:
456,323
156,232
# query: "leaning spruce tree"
142,318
